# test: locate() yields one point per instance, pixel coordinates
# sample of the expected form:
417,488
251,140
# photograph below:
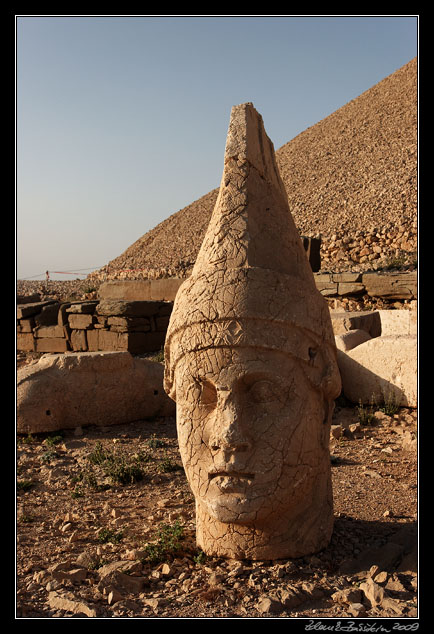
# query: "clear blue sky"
121,120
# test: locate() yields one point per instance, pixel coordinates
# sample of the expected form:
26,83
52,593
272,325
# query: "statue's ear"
322,371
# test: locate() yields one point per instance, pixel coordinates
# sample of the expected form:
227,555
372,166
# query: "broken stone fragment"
269,605
380,370
68,603
373,592
84,388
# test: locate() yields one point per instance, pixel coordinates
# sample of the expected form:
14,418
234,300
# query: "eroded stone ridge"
251,363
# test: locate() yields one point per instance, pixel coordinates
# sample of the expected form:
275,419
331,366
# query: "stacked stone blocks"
122,319
136,326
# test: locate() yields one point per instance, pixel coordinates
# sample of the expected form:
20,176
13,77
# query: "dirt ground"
105,527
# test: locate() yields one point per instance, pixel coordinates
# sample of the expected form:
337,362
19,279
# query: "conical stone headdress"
252,284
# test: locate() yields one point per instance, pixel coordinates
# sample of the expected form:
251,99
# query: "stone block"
346,277
42,332
92,337
380,369
325,284
138,342
80,321
398,322
101,321
28,299
121,308
129,324
399,285
25,341
65,391
62,315
162,323
27,310
140,290
83,308
53,344
350,288
165,309
26,325
343,321
78,340
107,340
48,315
350,339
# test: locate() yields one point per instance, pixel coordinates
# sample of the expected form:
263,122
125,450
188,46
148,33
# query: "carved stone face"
251,433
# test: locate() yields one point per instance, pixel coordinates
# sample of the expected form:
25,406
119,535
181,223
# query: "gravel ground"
61,290
106,528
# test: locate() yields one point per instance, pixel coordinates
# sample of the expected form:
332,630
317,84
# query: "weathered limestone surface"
48,315
51,344
123,308
380,369
350,339
394,285
251,363
134,326
144,290
42,332
398,322
27,310
345,321
25,341
389,285
80,322
89,388
78,340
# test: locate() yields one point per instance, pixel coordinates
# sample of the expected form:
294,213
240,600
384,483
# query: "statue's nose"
228,432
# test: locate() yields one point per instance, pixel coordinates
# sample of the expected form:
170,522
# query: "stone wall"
134,315
391,285
136,327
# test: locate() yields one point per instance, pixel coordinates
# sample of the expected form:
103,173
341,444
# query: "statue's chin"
234,509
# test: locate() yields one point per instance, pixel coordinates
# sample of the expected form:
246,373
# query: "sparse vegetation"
99,455
155,442
167,543
108,535
200,558
119,468
167,465
400,262
51,441
26,440
48,456
159,356
390,405
24,485
366,415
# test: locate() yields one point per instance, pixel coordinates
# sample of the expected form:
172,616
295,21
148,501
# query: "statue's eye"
204,392
263,392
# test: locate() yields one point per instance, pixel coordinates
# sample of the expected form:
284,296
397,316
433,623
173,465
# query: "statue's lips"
229,481
234,475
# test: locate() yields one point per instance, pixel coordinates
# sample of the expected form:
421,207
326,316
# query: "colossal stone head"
251,363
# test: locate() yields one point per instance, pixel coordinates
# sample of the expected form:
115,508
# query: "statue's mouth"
234,475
